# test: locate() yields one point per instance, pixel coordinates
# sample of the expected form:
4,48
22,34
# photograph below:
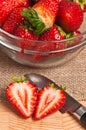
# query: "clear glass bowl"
11,45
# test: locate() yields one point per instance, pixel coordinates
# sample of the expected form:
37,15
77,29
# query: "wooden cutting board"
10,120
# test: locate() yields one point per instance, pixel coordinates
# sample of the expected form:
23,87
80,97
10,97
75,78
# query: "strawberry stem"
19,79
52,85
62,88
61,31
34,22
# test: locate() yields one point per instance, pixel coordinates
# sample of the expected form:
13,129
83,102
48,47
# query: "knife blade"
71,105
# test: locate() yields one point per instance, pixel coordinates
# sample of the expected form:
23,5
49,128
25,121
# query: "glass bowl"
11,45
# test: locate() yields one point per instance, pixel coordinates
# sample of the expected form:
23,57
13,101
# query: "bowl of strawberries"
42,33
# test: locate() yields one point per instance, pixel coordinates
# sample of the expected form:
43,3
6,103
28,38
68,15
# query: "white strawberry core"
48,101
22,94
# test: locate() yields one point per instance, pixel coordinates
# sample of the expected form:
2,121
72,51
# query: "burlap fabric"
72,74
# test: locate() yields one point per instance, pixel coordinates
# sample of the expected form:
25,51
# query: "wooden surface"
10,120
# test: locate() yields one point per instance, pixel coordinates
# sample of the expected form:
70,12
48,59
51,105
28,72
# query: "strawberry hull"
47,11
76,40
41,16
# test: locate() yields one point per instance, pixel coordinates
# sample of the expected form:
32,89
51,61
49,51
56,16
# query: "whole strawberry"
84,8
54,33
42,15
70,16
13,20
50,42
28,35
6,6
24,32
35,1
82,4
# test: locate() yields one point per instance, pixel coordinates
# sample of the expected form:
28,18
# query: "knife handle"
83,118
81,114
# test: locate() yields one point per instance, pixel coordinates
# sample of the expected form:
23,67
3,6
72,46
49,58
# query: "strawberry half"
50,99
22,95
70,16
42,15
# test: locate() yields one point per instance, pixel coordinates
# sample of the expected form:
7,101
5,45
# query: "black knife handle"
81,114
83,118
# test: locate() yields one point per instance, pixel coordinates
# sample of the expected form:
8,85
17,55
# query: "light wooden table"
10,120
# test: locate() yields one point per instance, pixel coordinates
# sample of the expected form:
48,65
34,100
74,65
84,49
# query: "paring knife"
71,105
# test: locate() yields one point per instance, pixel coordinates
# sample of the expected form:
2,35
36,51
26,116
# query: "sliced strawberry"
49,100
23,96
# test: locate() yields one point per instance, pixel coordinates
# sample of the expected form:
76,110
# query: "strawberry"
13,20
70,16
84,7
24,32
28,35
82,4
76,38
6,6
42,15
55,33
50,99
35,1
22,95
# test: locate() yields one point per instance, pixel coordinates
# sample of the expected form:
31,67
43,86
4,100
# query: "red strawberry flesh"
49,100
23,97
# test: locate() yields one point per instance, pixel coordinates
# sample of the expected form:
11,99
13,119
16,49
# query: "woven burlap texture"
71,74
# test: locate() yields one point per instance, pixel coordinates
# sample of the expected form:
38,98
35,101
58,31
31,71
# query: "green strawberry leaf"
34,22
19,79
